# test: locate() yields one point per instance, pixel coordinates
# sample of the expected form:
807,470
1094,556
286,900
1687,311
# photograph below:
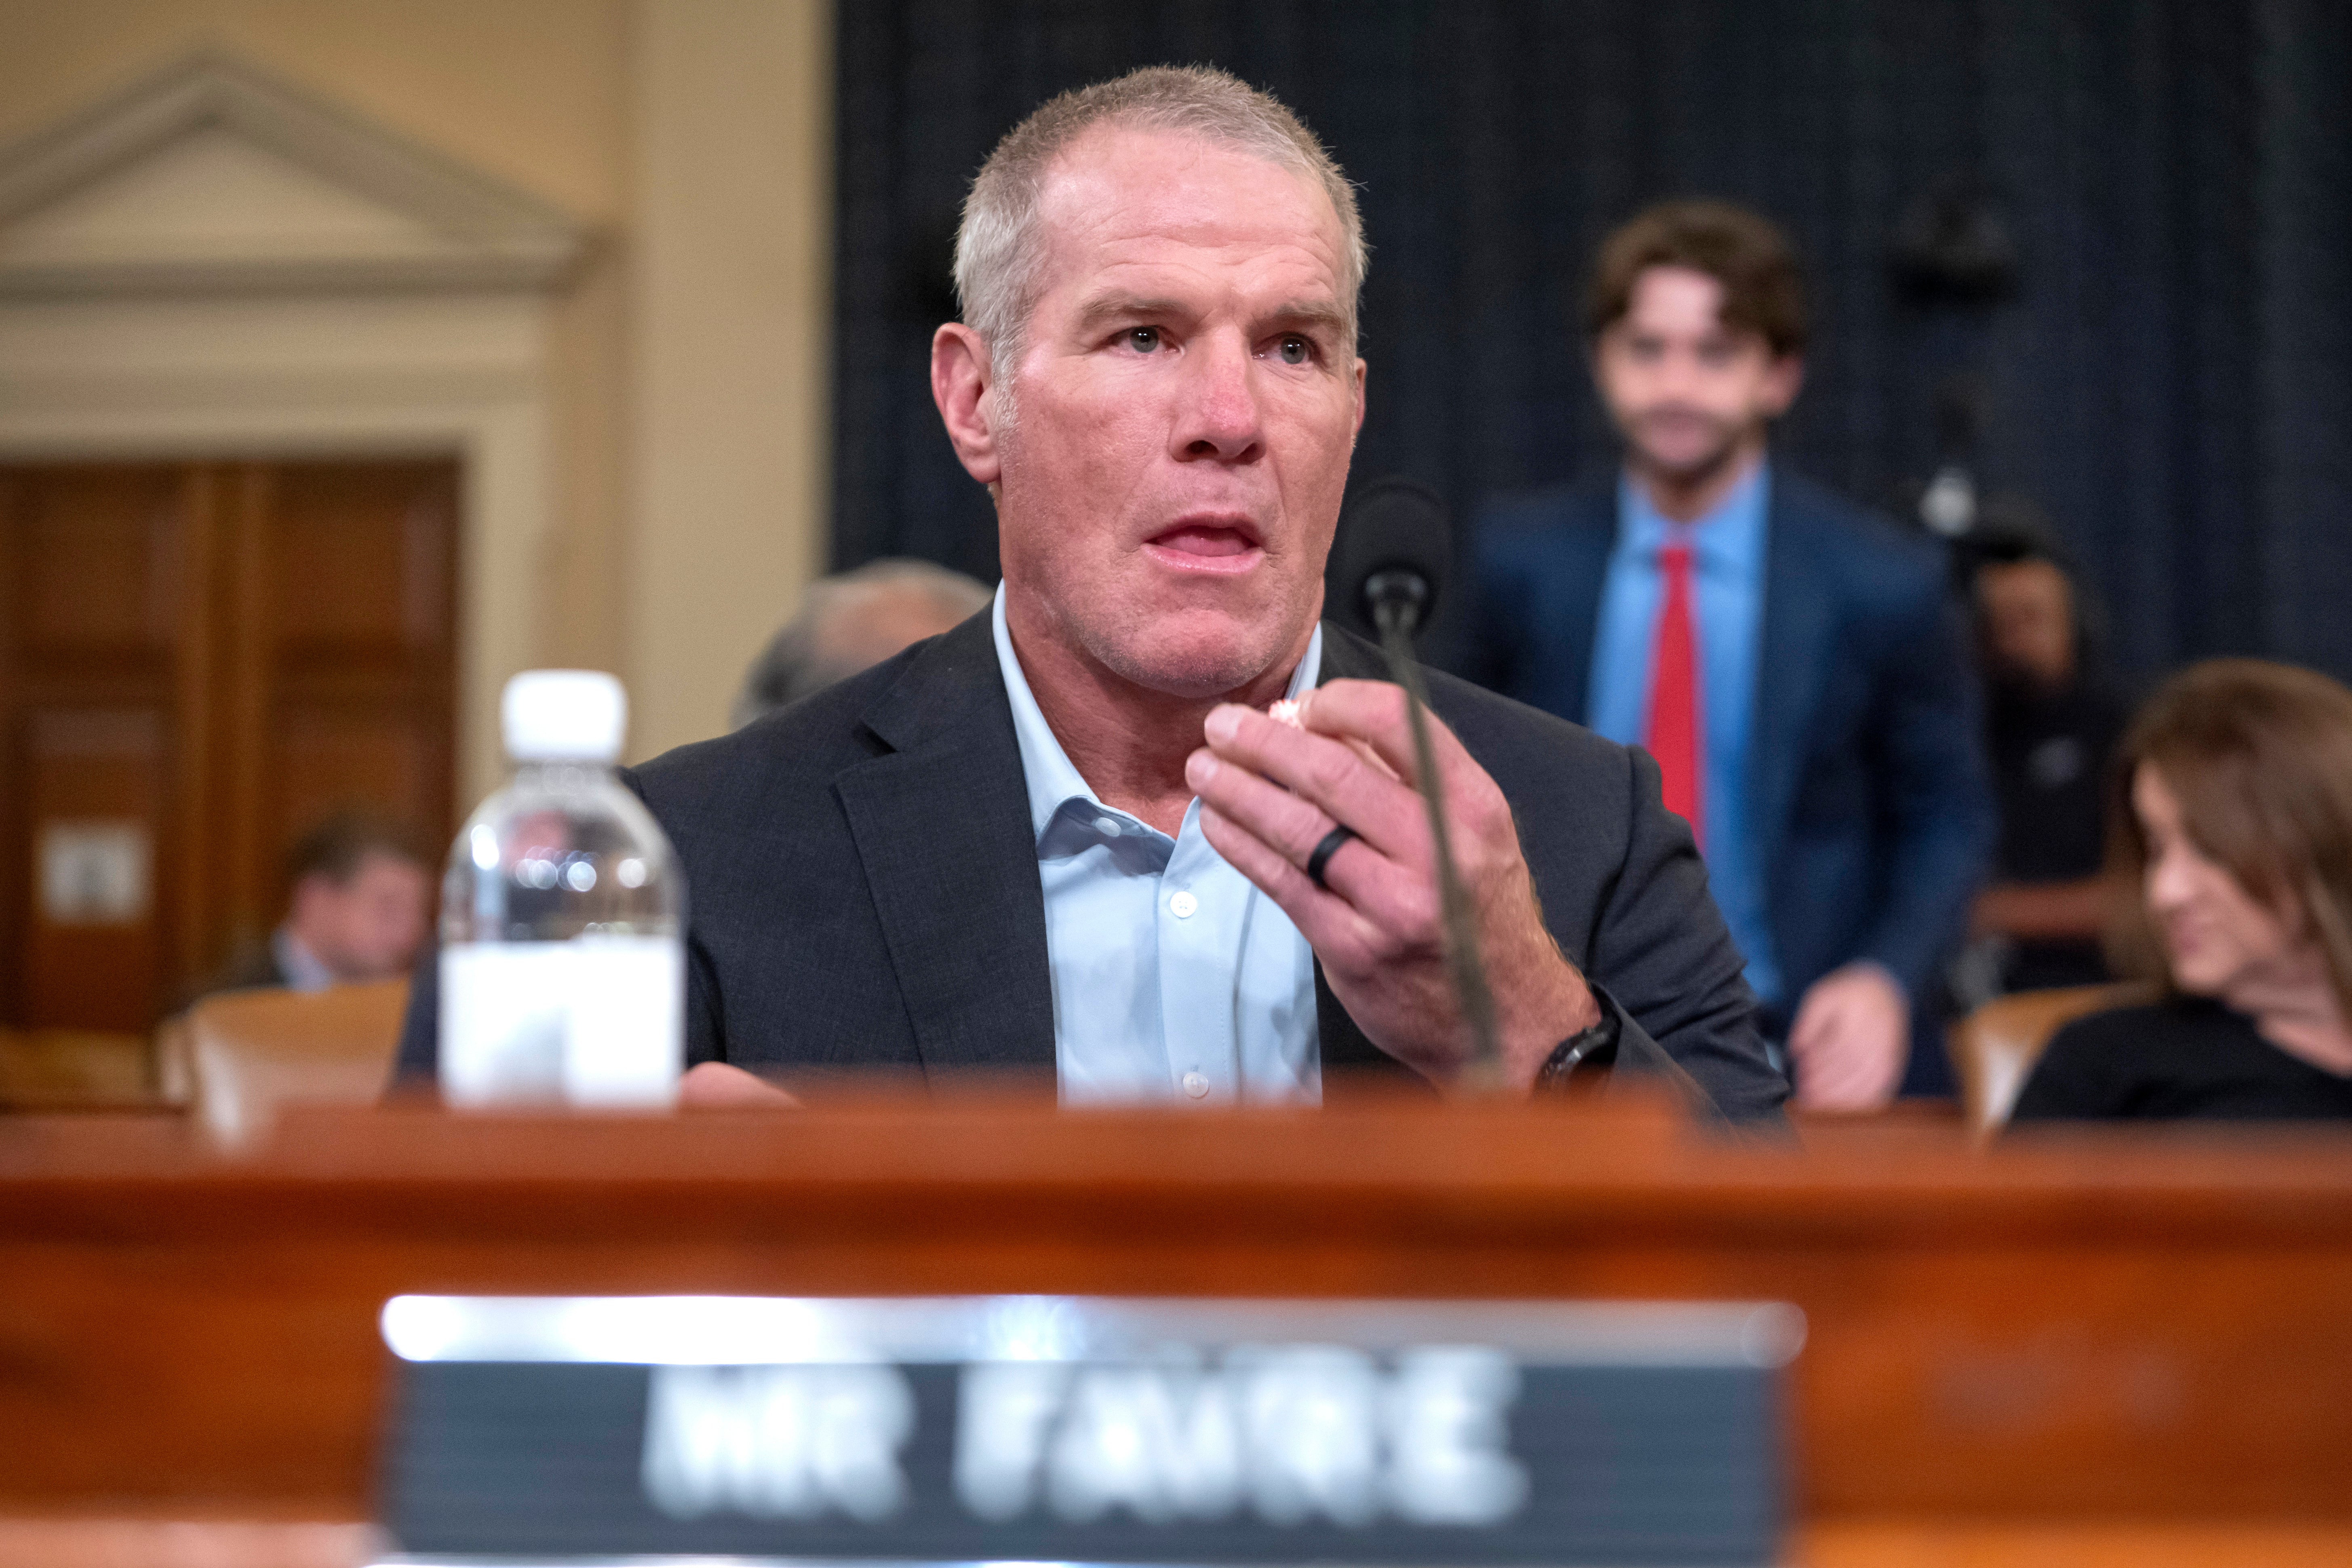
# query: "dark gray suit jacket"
862,877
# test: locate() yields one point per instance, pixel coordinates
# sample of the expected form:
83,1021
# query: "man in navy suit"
1793,663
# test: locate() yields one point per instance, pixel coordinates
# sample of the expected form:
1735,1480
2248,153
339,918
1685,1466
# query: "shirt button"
1194,1084
1181,906
1108,826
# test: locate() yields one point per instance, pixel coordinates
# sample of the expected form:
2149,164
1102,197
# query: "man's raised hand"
1271,792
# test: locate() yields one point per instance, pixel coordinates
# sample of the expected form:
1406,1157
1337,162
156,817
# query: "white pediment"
215,177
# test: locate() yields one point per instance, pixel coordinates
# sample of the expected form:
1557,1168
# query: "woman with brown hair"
2234,818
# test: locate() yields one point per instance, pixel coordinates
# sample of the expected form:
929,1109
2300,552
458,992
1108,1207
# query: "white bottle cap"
564,716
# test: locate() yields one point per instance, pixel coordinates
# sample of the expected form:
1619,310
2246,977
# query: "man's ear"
960,386
1783,379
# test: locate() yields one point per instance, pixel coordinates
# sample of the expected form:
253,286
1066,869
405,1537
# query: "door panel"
95,785
93,562
359,559
198,661
353,653
329,757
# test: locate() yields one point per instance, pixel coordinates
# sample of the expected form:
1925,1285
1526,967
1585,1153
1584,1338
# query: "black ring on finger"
1323,853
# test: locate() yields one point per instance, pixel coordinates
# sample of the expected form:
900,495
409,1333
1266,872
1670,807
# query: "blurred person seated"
2052,726
852,621
357,911
2233,816
1792,660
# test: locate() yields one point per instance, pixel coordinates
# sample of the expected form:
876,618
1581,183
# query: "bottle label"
597,1020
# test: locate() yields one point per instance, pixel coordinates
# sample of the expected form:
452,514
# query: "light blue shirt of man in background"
1727,617
297,963
1174,978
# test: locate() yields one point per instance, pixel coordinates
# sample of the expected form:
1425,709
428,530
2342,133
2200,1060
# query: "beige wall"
729,316
689,369
531,91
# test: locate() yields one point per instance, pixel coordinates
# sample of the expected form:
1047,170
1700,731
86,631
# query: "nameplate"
1083,1430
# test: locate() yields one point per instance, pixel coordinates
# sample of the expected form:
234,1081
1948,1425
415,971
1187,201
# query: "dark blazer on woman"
2184,1058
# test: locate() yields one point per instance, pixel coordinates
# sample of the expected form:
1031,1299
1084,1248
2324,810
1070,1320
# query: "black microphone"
1389,557
1387,560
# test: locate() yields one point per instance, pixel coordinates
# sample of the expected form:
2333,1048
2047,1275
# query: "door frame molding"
418,375
210,316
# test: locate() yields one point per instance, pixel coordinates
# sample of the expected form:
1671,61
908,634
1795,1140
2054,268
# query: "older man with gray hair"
851,622
1067,835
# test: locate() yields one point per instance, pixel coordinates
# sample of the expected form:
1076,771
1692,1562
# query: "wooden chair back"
1993,1049
255,1051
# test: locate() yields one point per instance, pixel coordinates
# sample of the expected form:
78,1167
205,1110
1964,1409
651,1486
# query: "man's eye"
1143,339
1294,348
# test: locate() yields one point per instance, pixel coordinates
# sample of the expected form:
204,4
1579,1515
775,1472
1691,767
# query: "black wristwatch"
1589,1051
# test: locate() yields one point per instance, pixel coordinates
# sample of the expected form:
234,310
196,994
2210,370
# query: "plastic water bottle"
562,917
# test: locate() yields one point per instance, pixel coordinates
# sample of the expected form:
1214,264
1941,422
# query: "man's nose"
1679,373
2168,884
1218,417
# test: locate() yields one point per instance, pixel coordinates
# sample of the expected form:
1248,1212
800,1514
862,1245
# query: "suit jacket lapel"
941,825
1586,548
1798,637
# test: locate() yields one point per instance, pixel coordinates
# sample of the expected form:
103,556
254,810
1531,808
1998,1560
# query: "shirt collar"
1726,536
301,967
1052,779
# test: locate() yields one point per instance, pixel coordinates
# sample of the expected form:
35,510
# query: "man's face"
368,928
1187,400
1688,394
2028,612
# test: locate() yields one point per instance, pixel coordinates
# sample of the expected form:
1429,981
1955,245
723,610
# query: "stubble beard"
1712,464
1130,646
1121,640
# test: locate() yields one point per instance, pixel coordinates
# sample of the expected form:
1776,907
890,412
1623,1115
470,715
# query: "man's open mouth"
1206,546
1195,538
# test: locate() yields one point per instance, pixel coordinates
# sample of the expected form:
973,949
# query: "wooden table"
2107,1347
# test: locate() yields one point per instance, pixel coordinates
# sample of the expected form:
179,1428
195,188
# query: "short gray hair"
997,249
808,653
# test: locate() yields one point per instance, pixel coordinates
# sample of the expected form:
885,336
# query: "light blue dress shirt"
1728,619
301,966
1174,978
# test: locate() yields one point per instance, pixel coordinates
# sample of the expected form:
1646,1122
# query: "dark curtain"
2172,384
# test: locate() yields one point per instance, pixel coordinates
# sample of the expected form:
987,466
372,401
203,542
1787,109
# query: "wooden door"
197,662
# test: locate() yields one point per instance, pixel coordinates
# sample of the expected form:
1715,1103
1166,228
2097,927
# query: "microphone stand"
1397,599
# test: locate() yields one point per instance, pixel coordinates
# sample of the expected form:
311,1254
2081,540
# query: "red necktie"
1674,734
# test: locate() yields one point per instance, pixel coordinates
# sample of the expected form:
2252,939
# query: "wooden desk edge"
134,1543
